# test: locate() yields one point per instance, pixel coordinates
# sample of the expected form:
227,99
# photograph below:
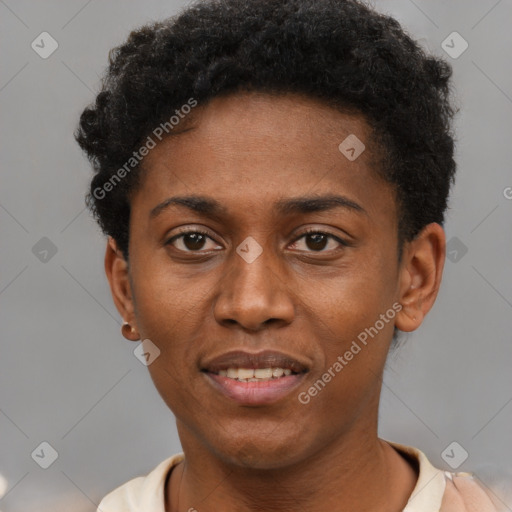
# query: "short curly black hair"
339,51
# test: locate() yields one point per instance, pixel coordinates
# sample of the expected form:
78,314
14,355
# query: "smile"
254,379
254,375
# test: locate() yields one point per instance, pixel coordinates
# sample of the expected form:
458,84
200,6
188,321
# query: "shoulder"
445,491
142,492
463,492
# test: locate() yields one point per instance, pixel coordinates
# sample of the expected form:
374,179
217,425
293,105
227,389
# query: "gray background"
69,378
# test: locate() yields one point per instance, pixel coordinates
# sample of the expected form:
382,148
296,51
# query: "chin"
261,451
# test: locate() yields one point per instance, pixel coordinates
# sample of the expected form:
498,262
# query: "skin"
248,150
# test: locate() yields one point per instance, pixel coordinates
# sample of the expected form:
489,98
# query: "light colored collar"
148,493
428,493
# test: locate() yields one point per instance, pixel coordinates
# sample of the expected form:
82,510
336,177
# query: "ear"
421,270
116,269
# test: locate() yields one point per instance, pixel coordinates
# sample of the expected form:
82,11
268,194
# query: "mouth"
255,375
254,379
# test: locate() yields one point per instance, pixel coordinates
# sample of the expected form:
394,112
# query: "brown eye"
317,241
194,241
190,241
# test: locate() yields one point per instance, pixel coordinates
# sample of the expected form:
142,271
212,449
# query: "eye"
194,240
318,240
191,240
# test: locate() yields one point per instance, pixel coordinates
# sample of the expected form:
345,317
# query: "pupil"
197,241
194,241
317,238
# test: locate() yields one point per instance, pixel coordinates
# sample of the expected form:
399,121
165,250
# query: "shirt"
435,491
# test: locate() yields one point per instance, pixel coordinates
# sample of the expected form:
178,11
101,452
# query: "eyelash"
309,231
329,235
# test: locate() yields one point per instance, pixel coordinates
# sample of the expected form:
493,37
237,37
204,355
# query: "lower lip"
255,393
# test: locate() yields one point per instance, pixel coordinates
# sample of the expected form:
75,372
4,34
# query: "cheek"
353,320
169,314
355,298
165,303
354,342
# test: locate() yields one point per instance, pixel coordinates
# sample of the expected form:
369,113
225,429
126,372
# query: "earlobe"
130,332
116,269
420,276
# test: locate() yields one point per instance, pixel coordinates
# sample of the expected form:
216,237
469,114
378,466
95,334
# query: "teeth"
277,372
245,373
251,375
232,373
263,373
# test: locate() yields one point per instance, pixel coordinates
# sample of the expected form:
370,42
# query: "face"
257,277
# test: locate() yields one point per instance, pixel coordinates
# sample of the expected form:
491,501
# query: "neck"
356,472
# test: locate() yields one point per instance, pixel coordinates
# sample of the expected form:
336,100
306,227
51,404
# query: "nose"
254,294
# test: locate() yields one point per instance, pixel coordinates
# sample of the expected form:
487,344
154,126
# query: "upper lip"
263,359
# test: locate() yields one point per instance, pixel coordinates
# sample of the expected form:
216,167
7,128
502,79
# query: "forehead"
255,148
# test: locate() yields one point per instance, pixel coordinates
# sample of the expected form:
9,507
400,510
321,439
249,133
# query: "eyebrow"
304,204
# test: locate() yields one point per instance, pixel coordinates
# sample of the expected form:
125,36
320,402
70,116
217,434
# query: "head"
286,172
